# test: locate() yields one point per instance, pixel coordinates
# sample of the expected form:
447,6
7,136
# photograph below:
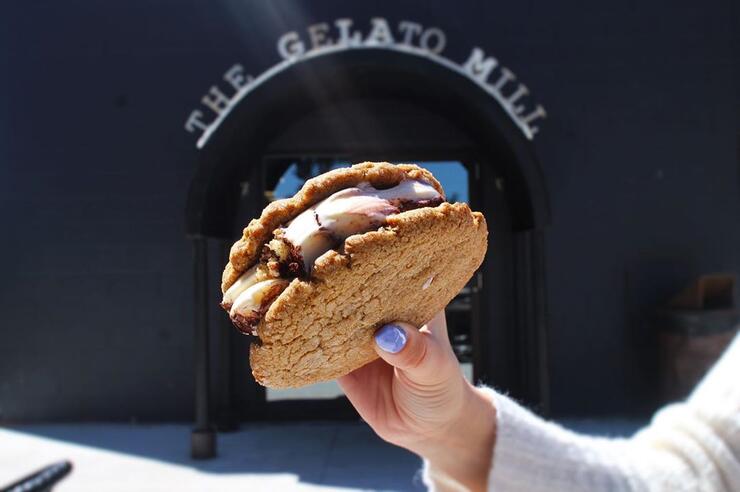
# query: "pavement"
259,456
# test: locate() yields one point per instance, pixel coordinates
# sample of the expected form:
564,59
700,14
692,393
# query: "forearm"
688,446
681,450
535,455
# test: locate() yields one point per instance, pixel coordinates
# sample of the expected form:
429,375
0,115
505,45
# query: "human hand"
415,396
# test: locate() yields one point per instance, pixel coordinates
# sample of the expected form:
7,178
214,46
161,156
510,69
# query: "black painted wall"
639,152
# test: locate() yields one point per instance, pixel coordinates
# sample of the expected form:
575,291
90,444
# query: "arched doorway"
376,105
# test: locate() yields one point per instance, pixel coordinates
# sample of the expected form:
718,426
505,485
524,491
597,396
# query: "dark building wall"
639,152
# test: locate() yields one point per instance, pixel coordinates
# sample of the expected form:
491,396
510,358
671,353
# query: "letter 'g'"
290,45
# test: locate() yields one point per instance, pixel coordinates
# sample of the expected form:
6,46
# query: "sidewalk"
270,457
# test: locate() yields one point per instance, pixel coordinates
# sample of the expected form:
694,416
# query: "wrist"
464,450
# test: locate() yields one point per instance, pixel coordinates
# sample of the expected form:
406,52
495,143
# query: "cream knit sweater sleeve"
688,446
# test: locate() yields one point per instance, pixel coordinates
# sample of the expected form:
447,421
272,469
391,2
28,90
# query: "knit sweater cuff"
531,454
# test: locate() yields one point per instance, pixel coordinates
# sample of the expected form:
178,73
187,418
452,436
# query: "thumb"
419,354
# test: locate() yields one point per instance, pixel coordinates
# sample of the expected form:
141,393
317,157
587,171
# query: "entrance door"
481,319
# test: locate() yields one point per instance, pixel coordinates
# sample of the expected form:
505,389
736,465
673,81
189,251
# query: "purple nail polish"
391,338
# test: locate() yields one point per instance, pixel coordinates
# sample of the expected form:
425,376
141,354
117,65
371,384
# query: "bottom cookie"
322,328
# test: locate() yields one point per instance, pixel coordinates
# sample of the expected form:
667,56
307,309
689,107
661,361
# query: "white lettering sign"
408,37
235,76
478,67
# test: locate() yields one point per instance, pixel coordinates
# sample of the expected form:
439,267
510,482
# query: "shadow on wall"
329,454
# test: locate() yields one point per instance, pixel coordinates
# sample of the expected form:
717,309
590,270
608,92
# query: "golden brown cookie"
322,327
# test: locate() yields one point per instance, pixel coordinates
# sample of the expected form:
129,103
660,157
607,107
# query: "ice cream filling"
247,279
350,211
253,303
297,245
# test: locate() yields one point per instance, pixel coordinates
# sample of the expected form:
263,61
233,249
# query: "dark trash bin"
694,330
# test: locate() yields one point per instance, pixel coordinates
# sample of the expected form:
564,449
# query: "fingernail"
391,338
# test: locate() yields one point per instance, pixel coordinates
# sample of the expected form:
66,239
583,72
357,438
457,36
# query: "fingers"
359,379
366,387
418,353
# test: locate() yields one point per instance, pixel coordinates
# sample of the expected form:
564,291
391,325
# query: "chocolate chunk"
246,324
292,266
406,205
267,254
